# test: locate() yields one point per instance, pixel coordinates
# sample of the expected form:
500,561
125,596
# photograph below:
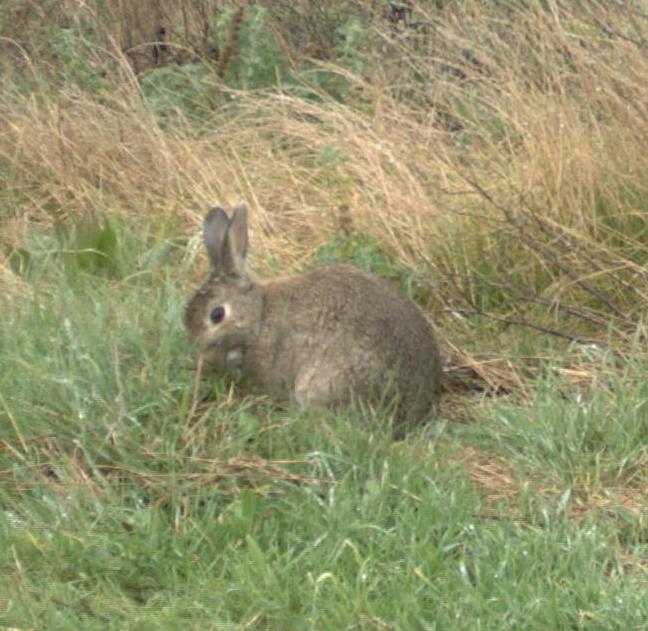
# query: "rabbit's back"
336,332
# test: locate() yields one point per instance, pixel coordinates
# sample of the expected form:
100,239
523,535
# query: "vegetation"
489,157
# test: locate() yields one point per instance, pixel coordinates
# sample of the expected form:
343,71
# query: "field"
488,157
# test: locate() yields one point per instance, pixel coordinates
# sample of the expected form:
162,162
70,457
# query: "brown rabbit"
317,338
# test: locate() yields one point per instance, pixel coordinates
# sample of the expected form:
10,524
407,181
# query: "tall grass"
499,149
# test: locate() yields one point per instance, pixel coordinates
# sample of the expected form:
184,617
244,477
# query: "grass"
122,508
490,161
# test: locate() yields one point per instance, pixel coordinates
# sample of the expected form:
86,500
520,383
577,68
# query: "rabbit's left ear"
237,242
215,228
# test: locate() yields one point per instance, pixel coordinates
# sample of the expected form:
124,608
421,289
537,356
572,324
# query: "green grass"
126,504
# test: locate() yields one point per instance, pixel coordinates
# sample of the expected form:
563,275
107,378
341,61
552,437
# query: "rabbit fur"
317,338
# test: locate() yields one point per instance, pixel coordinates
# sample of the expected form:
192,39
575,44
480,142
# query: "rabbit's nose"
234,358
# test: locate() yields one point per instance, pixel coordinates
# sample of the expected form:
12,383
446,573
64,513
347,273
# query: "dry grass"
500,488
512,171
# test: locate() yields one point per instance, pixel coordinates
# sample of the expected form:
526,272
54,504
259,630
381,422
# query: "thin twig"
549,331
195,388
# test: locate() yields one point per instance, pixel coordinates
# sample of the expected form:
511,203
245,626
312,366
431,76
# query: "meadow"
488,157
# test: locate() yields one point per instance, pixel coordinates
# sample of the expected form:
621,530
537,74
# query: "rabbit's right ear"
215,228
237,241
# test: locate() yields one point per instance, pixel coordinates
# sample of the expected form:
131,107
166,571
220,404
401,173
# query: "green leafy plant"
188,90
90,245
368,254
257,61
76,61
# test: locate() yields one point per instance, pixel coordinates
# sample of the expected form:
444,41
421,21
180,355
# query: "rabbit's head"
224,316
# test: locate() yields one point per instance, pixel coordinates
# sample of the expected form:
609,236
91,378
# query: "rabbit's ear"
237,241
215,229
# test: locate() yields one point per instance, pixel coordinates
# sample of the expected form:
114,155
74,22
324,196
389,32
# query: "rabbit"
319,338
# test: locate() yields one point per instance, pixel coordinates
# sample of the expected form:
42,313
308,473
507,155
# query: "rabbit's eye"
217,314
